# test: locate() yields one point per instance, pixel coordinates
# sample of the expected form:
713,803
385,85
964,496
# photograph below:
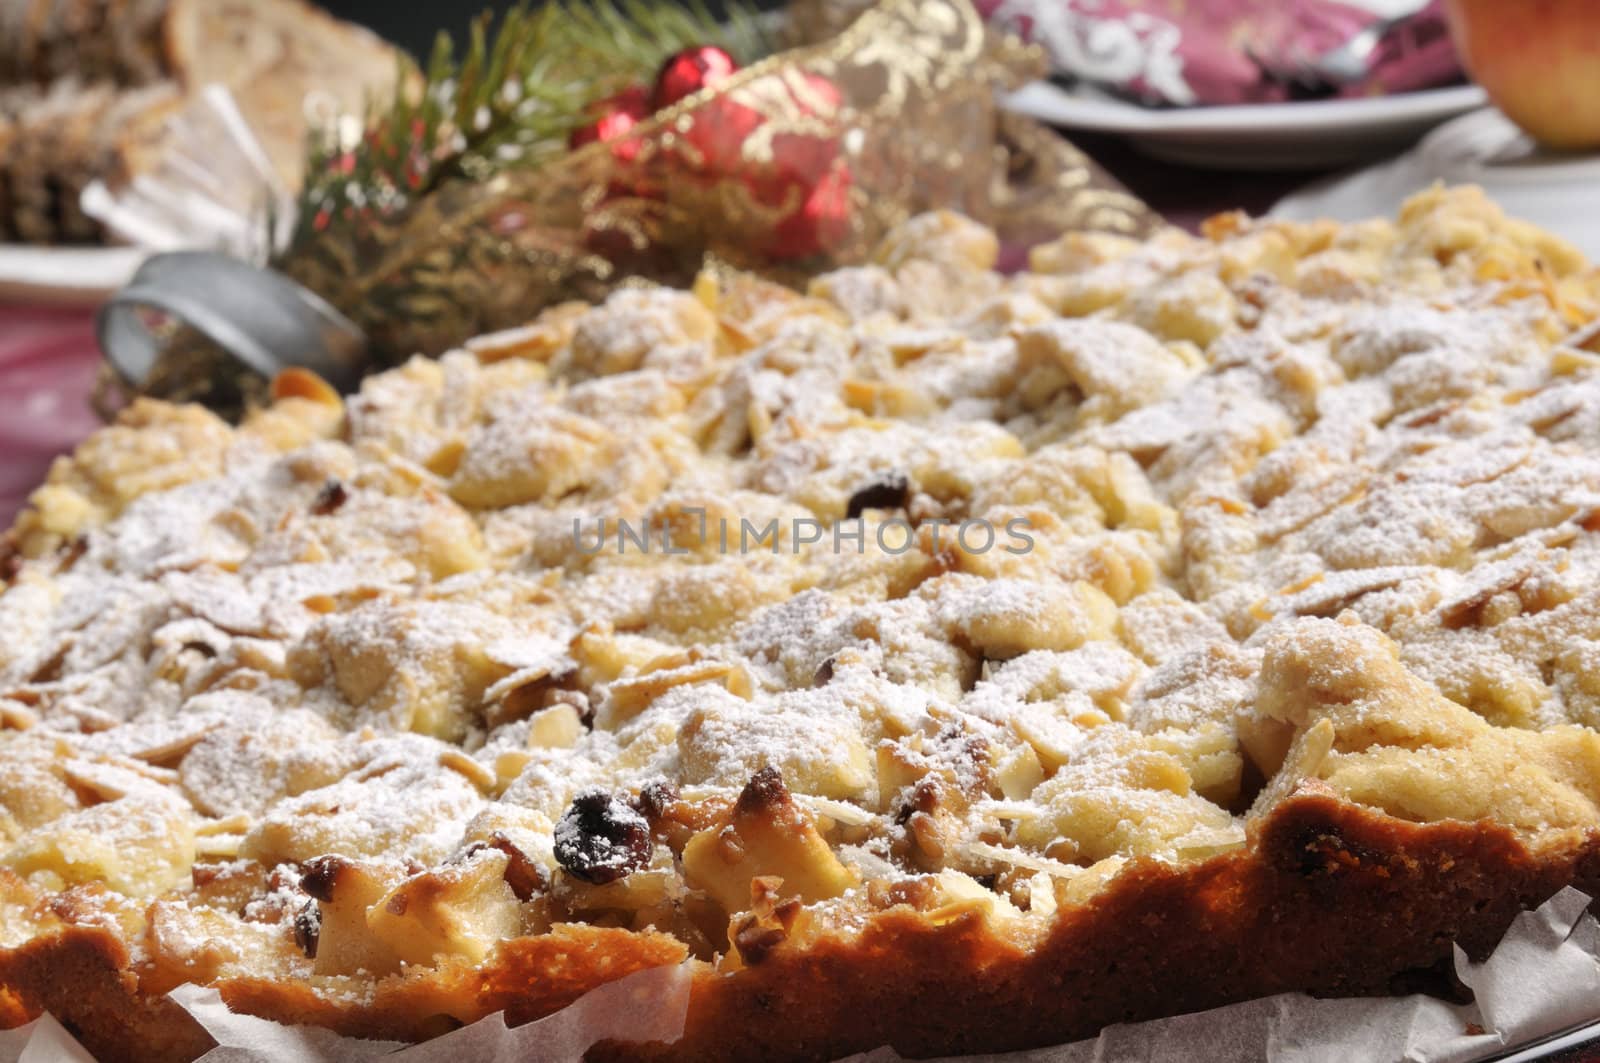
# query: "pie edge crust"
1329,897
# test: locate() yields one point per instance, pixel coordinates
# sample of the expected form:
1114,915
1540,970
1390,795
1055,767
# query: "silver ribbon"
255,315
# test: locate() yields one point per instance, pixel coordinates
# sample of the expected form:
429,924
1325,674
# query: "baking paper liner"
41,1041
645,1006
1542,979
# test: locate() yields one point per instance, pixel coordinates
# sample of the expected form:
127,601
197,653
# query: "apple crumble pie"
935,658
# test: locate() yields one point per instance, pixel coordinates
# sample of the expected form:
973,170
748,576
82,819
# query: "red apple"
1539,60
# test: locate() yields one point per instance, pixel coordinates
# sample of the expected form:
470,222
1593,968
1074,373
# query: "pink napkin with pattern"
48,362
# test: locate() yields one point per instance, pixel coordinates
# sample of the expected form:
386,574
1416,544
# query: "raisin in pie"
935,658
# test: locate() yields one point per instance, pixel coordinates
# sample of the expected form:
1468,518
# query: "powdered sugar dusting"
404,640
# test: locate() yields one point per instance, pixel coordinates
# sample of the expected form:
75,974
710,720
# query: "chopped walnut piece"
768,922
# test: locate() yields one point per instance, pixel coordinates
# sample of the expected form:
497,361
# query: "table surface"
48,363
49,358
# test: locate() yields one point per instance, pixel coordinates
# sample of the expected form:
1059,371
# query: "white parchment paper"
1543,978
41,1041
645,1006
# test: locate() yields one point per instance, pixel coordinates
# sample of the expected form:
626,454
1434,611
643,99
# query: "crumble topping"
744,614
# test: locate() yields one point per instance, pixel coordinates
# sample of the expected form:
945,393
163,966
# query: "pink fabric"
1199,52
48,361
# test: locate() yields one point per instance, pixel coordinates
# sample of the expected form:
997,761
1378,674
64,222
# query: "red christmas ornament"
617,116
714,143
818,95
689,71
808,170
799,177
819,223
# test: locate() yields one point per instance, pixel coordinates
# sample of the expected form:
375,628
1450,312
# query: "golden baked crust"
1332,899
350,714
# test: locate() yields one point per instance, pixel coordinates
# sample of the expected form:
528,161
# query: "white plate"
65,276
1262,136
1556,192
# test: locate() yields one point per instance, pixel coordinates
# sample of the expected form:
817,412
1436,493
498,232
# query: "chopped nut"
557,727
765,793
478,774
917,892
72,551
729,847
654,800
769,922
925,829
755,939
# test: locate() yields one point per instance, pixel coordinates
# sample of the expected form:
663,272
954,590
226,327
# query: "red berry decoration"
617,116
689,71
818,95
801,182
820,222
714,143
807,178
